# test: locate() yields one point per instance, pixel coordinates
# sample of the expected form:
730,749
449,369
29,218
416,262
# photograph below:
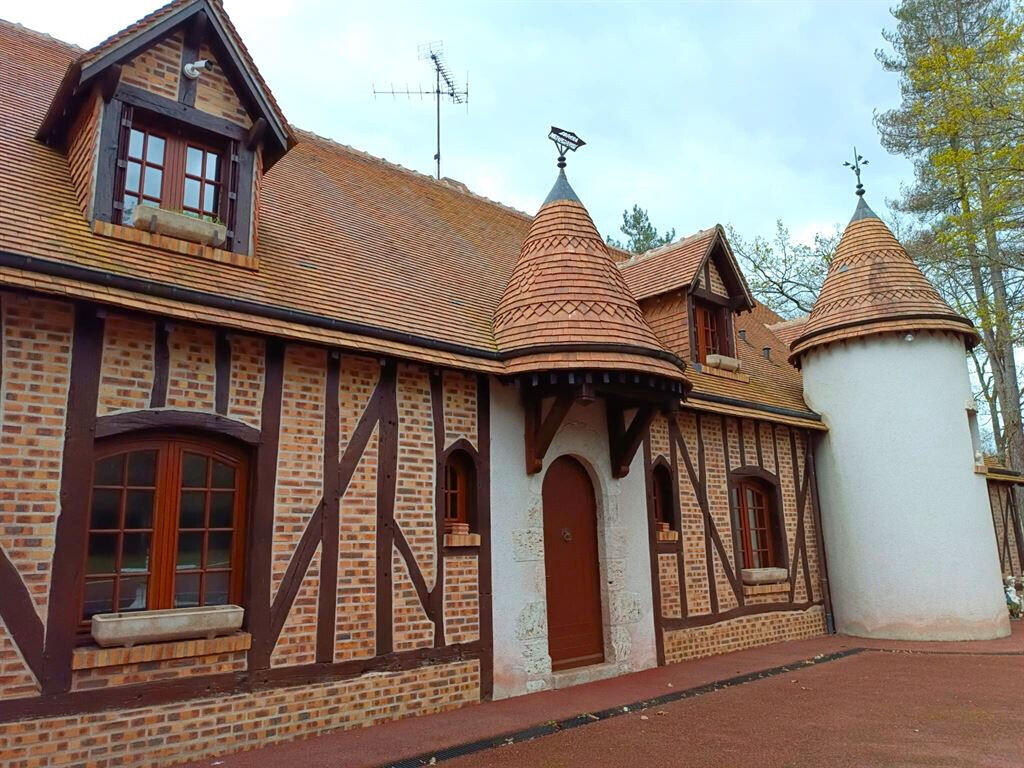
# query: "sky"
703,113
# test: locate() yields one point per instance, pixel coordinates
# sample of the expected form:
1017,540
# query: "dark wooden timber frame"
49,655
622,392
1009,541
682,462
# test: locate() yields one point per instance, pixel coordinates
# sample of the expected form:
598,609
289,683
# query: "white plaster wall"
908,534
521,660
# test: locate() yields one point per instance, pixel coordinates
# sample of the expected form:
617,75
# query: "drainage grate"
549,728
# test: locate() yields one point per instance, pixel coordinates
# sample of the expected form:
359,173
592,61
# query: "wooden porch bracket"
540,430
623,441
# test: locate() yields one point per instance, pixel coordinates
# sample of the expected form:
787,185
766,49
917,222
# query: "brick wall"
739,444
157,69
34,374
744,632
215,94
461,599
126,378
201,728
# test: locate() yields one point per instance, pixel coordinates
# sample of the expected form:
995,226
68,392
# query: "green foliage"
640,234
785,275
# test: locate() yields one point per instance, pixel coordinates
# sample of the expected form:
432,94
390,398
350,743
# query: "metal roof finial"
858,161
566,141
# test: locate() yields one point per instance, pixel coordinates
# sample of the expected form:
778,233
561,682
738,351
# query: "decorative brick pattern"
91,657
245,397
412,628
461,601
659,439
297,641
300,452
34,381
415,509
744,632
717,285
84,135
201,728
459,407
357,559
157,69
16,680
152,671
215,94
670,596
697,596
126,373
191,373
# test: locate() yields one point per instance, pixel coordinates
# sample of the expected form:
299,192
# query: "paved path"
829,701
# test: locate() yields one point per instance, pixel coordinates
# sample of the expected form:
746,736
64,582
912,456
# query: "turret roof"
872,287
566,295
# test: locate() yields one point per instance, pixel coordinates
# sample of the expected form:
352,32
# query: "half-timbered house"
432,449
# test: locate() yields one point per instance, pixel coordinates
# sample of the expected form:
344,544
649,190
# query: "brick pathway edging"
549,728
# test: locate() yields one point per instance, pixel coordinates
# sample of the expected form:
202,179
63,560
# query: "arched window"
663,515
166,525
459,493
758,530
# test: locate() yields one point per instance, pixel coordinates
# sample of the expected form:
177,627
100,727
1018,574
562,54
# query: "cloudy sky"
734,112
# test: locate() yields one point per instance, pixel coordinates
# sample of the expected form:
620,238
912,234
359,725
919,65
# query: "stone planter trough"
134,627
179,225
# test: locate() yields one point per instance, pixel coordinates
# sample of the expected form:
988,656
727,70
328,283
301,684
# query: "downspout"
826,592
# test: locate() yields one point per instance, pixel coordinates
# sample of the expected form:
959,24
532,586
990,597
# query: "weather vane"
858,161
566,141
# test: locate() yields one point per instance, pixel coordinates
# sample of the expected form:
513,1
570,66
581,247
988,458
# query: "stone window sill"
92,656
175,245
462,539
760,576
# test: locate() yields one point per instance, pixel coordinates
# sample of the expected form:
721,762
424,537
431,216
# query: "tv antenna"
445,87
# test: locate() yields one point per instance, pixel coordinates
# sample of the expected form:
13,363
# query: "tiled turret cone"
566,305
874,287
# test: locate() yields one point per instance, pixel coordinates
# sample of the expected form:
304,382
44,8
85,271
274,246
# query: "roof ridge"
637,257
44,35
459,186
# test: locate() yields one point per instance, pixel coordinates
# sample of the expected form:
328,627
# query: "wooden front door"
572,572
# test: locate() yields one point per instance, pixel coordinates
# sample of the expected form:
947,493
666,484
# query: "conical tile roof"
874,287
566,304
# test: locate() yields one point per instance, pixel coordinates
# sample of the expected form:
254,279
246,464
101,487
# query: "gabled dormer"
168,127
690,292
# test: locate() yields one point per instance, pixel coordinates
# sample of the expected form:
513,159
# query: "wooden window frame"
165,523
458,493
770,522
177,139
663,492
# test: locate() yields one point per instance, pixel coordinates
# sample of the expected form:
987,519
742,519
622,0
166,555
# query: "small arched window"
663,515
759,534
459,493
166,525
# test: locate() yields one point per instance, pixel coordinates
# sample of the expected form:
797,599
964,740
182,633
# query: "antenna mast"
445,87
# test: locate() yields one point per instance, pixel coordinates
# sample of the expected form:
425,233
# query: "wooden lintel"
541,429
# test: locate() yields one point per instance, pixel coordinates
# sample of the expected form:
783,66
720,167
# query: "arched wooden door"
572,572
